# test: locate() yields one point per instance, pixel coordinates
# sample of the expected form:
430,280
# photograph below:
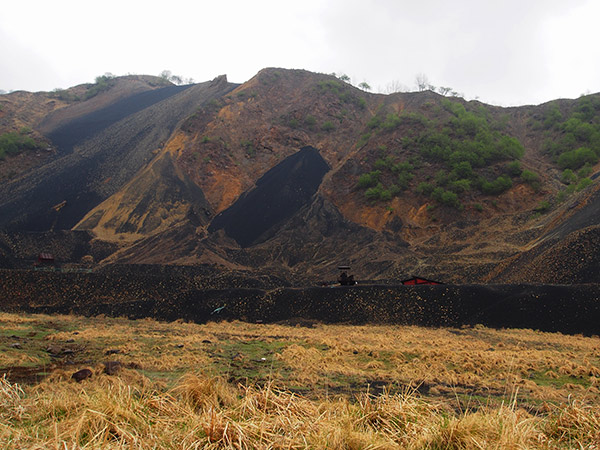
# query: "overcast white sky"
506,52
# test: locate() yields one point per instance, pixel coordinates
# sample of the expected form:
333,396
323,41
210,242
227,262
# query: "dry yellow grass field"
240,385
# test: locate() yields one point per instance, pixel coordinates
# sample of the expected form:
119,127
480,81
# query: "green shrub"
583,183
378,193
531,178
385,163
403,166
414,119
498,186
391,122
310,121
385,195
441,177
509,148
460,186
328,126
585,171
587,108
467,125
568,176
64,95
103,83
552,117
574,159
513,168
561,196
330,86
370,179
543,206
249,147
453,107
478,207
444,197
425,188
395,190
13,143
363,140
342,92
404,179
463,169
374,122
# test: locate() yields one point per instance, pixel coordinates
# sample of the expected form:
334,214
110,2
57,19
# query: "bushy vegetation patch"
102,83
572,137
342,91
13,143
466,147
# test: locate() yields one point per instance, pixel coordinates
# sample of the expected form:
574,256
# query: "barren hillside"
410,183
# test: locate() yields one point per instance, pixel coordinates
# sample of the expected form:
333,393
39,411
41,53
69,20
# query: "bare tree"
175,79
444,90
422,82
395,86
166,75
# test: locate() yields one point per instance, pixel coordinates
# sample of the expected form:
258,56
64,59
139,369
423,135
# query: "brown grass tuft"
338,387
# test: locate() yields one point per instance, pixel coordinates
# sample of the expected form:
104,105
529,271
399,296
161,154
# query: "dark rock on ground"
81,375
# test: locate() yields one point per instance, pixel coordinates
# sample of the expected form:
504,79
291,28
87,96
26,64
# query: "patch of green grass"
542,378
409,356
169,377
252,359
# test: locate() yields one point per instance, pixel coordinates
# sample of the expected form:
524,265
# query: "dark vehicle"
344,279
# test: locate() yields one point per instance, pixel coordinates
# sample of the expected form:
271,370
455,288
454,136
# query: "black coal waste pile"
82,128
280,193
170,295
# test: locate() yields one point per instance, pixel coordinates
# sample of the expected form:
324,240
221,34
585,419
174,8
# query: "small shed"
45,259
418,280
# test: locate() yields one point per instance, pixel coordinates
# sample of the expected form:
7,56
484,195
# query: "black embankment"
112,145
278,194
82,128
170,295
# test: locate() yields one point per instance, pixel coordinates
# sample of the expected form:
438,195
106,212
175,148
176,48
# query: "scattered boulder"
112,352
112,367
81,375
54,350
16,345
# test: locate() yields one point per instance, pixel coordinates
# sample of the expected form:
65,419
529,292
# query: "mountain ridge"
418,182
